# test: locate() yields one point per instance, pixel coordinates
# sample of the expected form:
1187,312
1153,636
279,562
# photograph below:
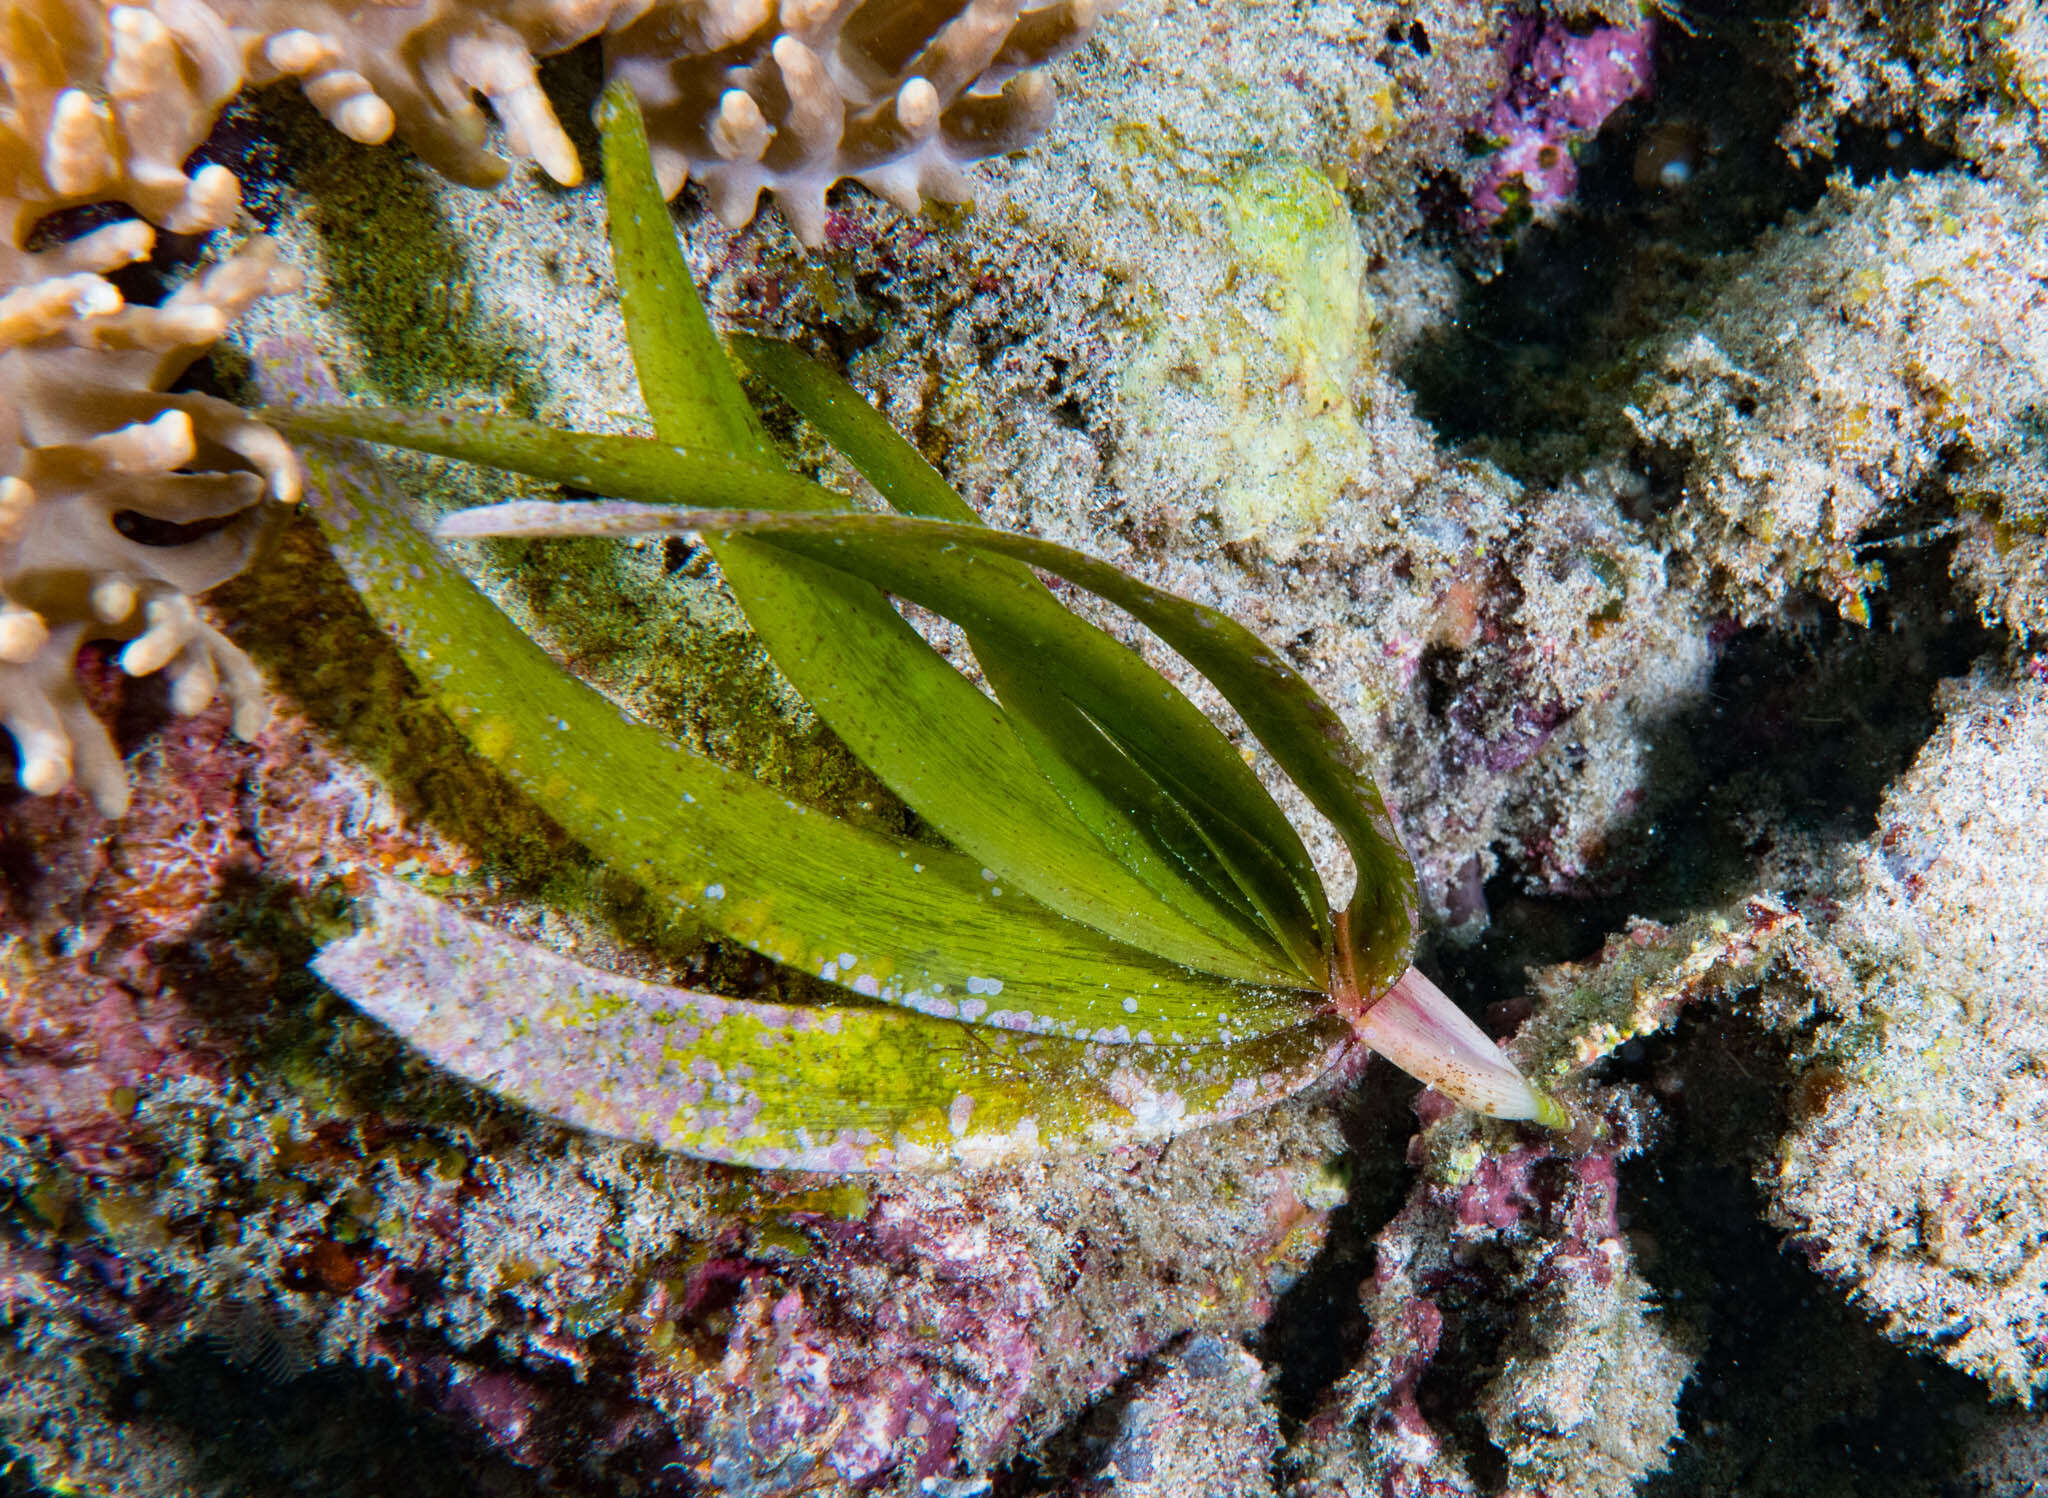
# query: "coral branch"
109,103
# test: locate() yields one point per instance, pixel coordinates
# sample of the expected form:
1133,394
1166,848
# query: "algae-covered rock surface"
1664,515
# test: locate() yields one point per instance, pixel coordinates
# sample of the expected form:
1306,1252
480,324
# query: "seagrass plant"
1124,936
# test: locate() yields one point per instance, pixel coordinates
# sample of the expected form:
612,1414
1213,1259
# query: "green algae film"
828,1087
1259,393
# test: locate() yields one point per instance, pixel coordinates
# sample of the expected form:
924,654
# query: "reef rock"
1915,1180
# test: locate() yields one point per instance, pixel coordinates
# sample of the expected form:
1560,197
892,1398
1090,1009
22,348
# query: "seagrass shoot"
1122,935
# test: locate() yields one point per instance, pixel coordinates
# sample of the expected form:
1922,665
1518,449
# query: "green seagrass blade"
931,562
1130,937
906,713
806,1087
888,918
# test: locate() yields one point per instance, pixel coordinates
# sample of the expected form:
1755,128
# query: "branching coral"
749,95
117,501
898,97
107,104
784,96
414,71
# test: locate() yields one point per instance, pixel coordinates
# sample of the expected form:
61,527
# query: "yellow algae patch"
821,1087
1256,385
492,735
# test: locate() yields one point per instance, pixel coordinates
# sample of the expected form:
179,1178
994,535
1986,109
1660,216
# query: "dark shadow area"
1318,1330
375,210
1524,372
298,616
1071,1462
572,81
329,1434
16,1478
1796,1394
291,1027
1789,753
225,1430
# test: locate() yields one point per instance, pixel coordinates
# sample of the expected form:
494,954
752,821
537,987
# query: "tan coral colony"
119,500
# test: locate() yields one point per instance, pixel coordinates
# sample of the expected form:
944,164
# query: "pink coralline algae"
1509,1248
116,979
87,1017
816,1384
1562,87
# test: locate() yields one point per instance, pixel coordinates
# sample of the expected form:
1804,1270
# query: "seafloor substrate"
1680,562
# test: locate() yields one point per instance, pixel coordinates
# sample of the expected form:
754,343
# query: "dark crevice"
1068,1461
1800,733
1803,728
151,530
243,1430
1318,1330
1671,186
1796,1393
